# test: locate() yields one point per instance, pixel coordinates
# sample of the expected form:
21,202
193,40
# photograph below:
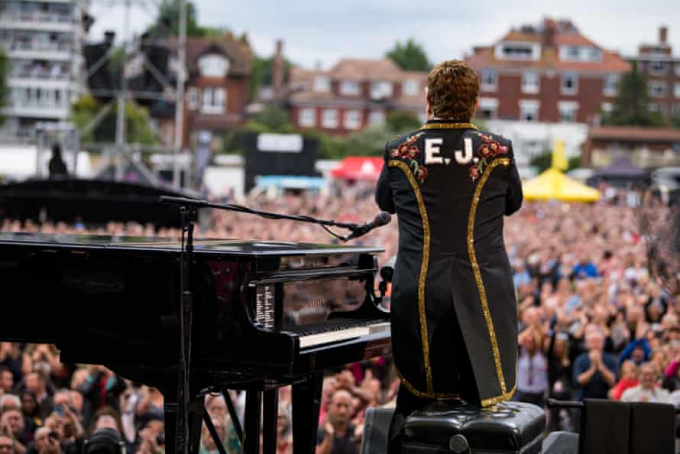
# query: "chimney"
663,34
278,70
549,30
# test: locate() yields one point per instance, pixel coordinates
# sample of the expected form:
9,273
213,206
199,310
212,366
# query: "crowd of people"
596,321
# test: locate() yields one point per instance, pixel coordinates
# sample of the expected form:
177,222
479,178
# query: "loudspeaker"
560,443
376,429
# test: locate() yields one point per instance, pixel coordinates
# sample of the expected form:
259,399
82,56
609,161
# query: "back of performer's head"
453,90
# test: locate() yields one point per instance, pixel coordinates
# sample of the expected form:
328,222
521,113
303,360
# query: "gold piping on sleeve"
423,268
480,284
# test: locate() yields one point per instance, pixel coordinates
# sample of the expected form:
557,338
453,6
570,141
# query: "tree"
632,104
137,125
401,122
410,56
168,21
272,119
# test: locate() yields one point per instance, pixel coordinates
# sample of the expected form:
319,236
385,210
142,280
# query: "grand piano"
264,315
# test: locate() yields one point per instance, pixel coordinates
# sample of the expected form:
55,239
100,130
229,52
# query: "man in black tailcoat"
454,311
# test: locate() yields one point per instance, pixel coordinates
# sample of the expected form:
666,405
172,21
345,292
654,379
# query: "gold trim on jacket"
423,269
480,283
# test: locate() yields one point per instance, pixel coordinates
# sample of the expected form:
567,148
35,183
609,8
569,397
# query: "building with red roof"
547,73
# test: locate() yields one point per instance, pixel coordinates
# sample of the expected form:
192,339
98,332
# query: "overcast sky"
321,32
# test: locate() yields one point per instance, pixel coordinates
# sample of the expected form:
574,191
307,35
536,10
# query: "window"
192,98
213,100
329,118
352,119
410,88
518,51
381,90
530,82
322,84
572,53
594,54
213,66
580,53
489,80
611,84
350,88
657,89
568,111
376,117
677,91
657,68
488,108
569,85
653,107
307,118
528,109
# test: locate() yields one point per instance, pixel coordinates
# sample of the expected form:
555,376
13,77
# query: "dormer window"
518,51
322,84
381,90
213,65
350,87
580,53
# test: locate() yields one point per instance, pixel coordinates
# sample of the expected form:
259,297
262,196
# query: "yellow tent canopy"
554,185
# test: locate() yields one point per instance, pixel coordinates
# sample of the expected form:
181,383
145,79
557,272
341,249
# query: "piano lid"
166,245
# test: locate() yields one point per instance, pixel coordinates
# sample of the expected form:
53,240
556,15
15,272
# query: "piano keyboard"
328,337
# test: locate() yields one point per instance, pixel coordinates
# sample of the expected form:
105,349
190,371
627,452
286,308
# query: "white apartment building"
43,40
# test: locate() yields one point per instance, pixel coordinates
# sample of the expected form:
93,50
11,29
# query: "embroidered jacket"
450,185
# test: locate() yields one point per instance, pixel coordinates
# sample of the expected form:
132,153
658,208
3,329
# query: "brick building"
547,73
216,88
663,74
354,94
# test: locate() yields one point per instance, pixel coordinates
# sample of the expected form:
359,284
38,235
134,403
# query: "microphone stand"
189,218
196,203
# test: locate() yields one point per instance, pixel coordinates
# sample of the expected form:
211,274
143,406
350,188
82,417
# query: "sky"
318,33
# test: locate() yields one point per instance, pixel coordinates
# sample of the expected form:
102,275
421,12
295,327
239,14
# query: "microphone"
381,219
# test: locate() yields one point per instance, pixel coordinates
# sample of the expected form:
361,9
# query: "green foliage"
401,122
410,56
632,104
543,161
167,22
272,119
137,123
371,141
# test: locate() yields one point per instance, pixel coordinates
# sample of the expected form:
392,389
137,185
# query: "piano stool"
454,426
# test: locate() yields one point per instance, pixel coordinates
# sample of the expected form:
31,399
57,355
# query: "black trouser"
407,403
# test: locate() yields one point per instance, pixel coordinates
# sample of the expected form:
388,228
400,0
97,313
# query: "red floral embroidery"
408,150
490,148
474,173
421,174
